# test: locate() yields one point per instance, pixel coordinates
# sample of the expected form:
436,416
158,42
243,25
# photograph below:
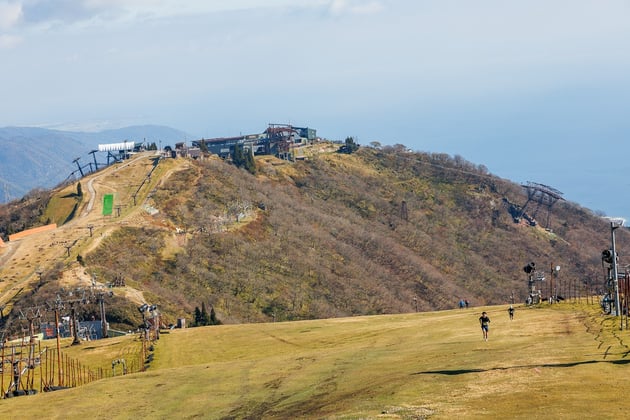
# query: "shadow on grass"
545,365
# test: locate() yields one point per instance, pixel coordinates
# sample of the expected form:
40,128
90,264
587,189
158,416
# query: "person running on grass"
484,321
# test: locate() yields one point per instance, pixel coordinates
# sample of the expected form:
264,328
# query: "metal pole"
3,369
551,284
75,326
101,301
59,365
624,313
614,267
31,330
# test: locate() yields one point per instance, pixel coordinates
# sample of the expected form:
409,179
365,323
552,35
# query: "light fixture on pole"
610,257
613,226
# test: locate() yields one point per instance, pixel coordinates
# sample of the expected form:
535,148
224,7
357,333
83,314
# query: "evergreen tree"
213,317
79,190
197,317
351,145
250,163
205,317
242,158
238,159
203,146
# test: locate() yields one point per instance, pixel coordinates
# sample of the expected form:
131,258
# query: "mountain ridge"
372,232
34,157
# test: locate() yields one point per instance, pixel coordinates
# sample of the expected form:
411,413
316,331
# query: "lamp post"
554,273
58,306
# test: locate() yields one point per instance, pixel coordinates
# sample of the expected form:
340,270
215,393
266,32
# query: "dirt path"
21,261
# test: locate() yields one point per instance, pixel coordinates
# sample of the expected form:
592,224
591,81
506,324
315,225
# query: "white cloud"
9,41
10,14
84,12
362,7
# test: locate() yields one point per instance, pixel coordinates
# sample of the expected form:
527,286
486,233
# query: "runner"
484,321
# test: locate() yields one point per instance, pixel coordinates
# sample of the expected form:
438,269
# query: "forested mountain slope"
376,231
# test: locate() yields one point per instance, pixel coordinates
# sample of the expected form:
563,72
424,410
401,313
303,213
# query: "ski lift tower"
610,257
79,166
533,276
542,195
95,162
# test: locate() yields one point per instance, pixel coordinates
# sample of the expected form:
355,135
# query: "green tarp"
108,204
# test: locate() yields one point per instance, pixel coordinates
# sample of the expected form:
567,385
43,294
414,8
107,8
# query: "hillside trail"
22,262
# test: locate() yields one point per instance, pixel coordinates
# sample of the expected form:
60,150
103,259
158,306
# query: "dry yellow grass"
564,361
21,260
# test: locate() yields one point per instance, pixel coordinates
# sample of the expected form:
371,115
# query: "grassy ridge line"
560,362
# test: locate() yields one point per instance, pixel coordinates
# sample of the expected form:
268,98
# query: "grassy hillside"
373,232
561,361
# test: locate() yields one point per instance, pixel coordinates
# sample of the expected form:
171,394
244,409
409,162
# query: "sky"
535,90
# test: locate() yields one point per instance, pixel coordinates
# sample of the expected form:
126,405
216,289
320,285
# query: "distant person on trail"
462,304
484,321
511,312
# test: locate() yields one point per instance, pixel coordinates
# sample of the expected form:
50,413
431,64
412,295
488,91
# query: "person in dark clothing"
484,321
511,312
